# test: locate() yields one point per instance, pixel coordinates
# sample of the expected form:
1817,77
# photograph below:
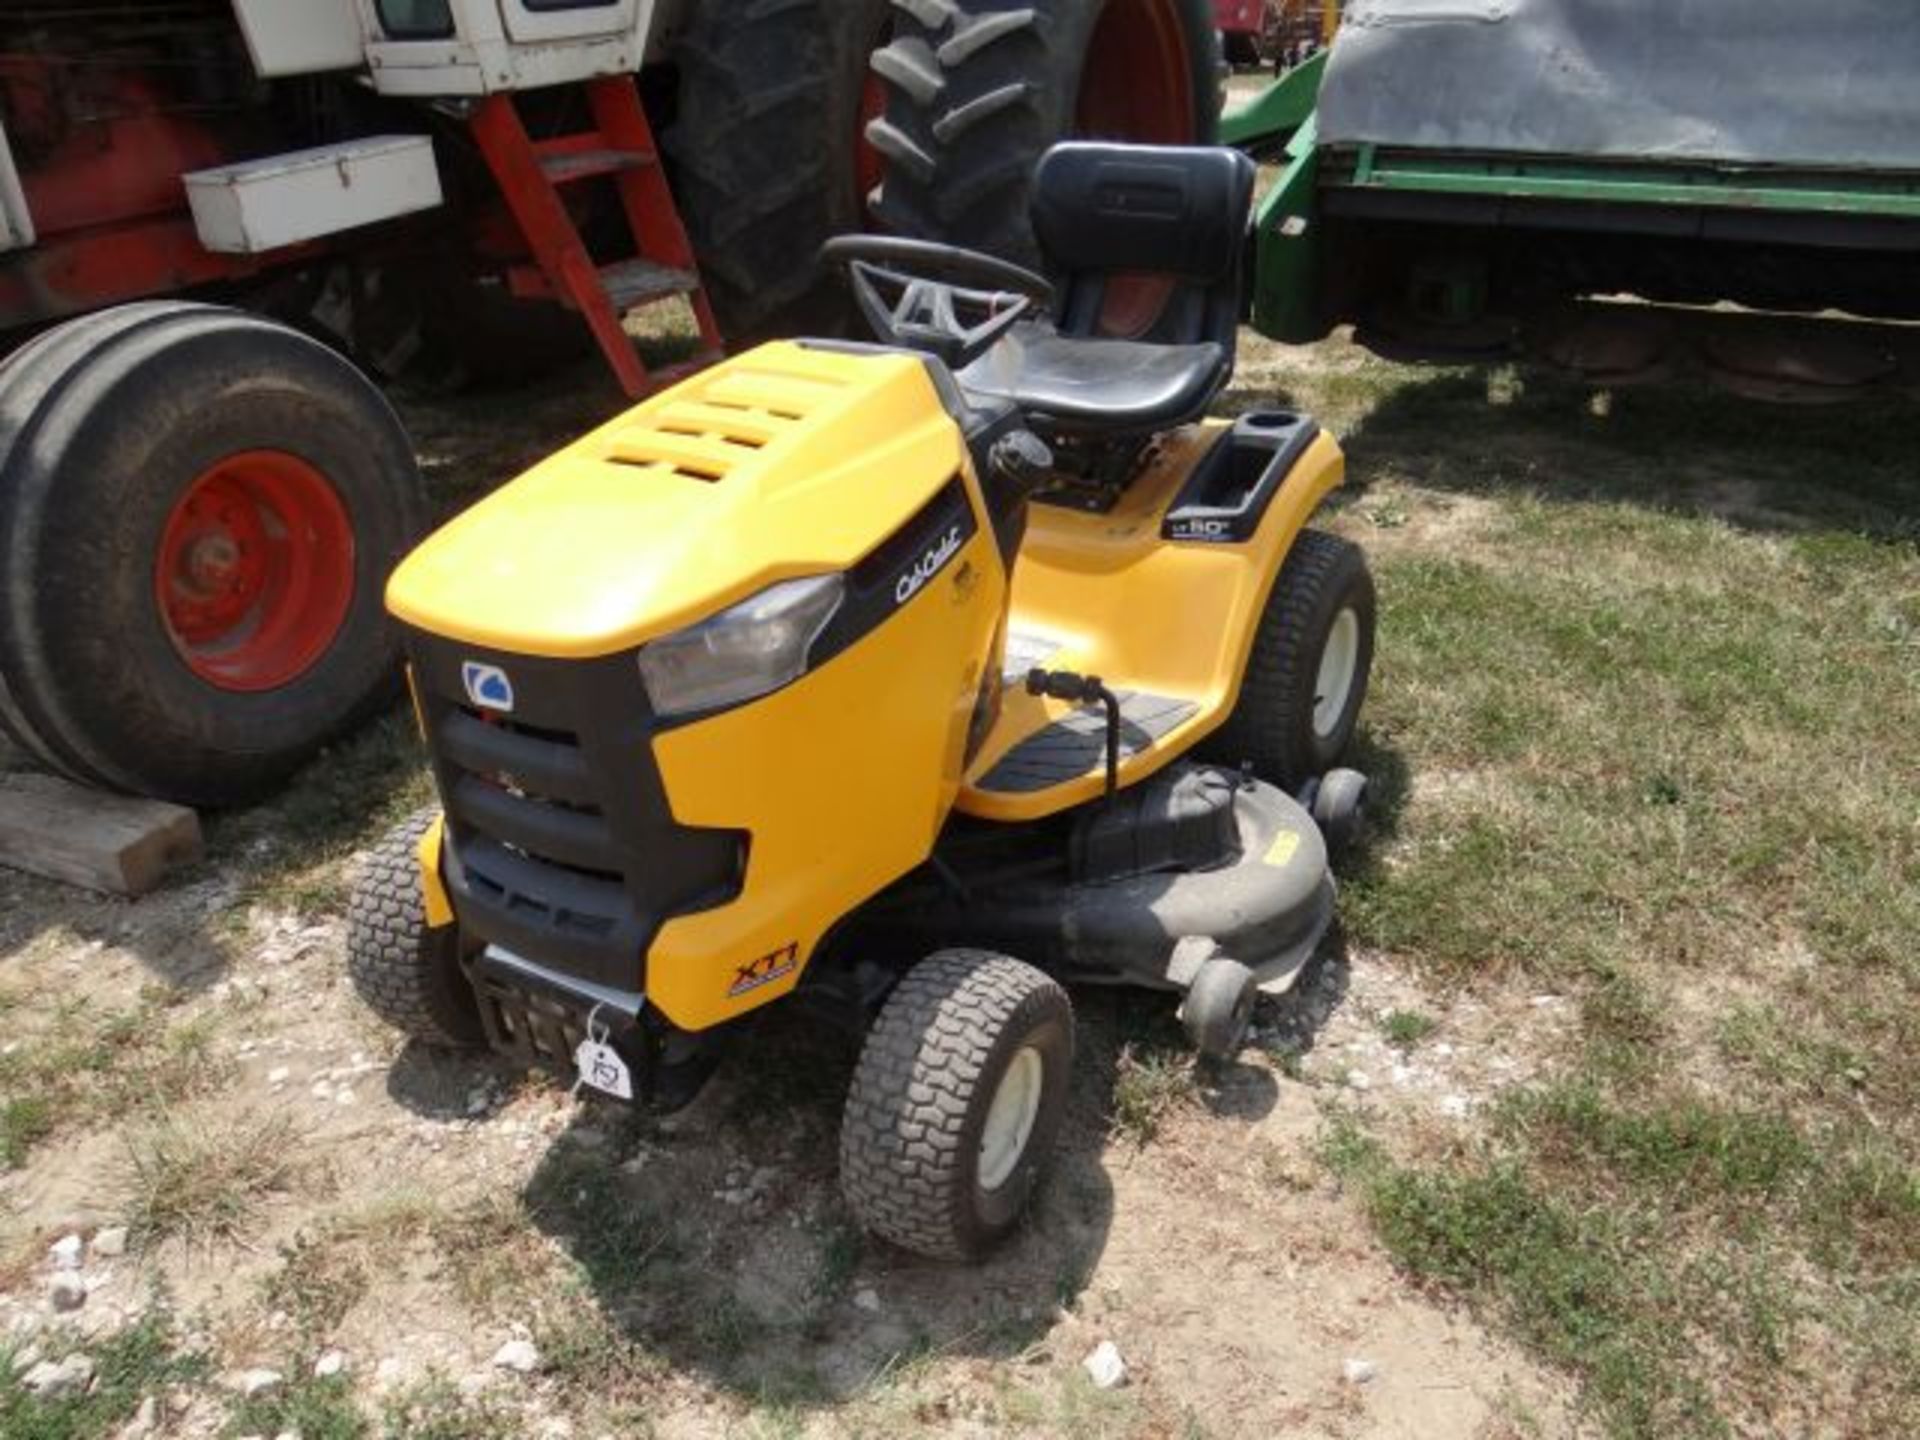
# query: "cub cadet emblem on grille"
487,685
926,567
765,970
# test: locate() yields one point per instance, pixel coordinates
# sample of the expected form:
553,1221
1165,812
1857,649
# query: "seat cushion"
1085,385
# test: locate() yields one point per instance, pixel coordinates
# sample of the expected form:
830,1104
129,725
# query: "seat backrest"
1146,240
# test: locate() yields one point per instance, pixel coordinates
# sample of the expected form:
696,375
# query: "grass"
436,1410
141,1360
85,1064
1407,1028
1150,1083
1648,663
204,1180
312,1408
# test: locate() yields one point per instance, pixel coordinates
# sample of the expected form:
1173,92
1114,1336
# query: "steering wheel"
938,299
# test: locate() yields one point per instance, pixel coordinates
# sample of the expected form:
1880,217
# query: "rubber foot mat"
1077,743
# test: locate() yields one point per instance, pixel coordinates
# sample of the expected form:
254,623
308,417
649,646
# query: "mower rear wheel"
956,1103
1219,1007
407,971
198,511
1307,673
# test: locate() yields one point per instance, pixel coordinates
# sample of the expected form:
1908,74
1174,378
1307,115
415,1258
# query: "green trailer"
1624,189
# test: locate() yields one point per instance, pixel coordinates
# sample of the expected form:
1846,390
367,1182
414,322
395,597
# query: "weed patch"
204,1180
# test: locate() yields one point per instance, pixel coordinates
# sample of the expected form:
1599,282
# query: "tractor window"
416,19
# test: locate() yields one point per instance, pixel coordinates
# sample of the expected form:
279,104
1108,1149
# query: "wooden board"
115,843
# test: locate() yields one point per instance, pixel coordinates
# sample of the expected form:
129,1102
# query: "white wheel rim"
1339,664
1016,1104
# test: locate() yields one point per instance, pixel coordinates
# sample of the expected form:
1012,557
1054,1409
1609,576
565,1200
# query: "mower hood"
787,461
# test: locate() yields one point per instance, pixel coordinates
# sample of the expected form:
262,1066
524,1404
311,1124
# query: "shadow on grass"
1683,448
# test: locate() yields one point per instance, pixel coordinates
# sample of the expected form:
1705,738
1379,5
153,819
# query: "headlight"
746,650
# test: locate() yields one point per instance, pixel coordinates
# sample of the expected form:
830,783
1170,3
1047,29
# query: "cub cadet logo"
487,686
1203,530
926,567
765,970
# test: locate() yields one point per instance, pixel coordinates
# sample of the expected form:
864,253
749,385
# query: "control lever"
1084,690
1021,458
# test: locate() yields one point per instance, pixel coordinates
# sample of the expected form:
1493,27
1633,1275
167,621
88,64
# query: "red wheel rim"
1137,85
1138,79
254,574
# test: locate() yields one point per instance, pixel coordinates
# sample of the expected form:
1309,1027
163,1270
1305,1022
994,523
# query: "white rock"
51,1381
554,1427
144,1422
1541,1002
1357,1079
279,1075
520,1356
111,1243
391,1372
1105,1367
1455,1107
288,1435
1359,1372
67,1252
255,1384
320,1089
1403,1075
67,1291
343,1097
866,1299
330,1364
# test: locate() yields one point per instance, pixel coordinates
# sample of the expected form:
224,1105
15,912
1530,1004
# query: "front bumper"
540,1016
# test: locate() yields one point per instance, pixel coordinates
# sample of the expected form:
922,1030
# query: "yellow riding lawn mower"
914,680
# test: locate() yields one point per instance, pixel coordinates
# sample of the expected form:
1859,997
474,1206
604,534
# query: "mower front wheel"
956,1103
407,971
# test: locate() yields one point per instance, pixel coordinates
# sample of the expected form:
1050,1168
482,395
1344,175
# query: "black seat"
1147,242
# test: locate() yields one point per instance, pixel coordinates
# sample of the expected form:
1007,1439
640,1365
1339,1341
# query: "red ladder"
531,174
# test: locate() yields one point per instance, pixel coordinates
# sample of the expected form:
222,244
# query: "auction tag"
601,1067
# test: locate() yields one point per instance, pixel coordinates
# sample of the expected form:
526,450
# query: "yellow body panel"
844,778
782,462
433,889
1143,613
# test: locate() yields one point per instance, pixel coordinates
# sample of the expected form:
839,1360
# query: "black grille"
562,847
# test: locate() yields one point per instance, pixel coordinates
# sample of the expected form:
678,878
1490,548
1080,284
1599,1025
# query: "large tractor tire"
198,512
977,90
768,155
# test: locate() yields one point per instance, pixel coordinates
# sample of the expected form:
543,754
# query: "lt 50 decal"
1218,532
